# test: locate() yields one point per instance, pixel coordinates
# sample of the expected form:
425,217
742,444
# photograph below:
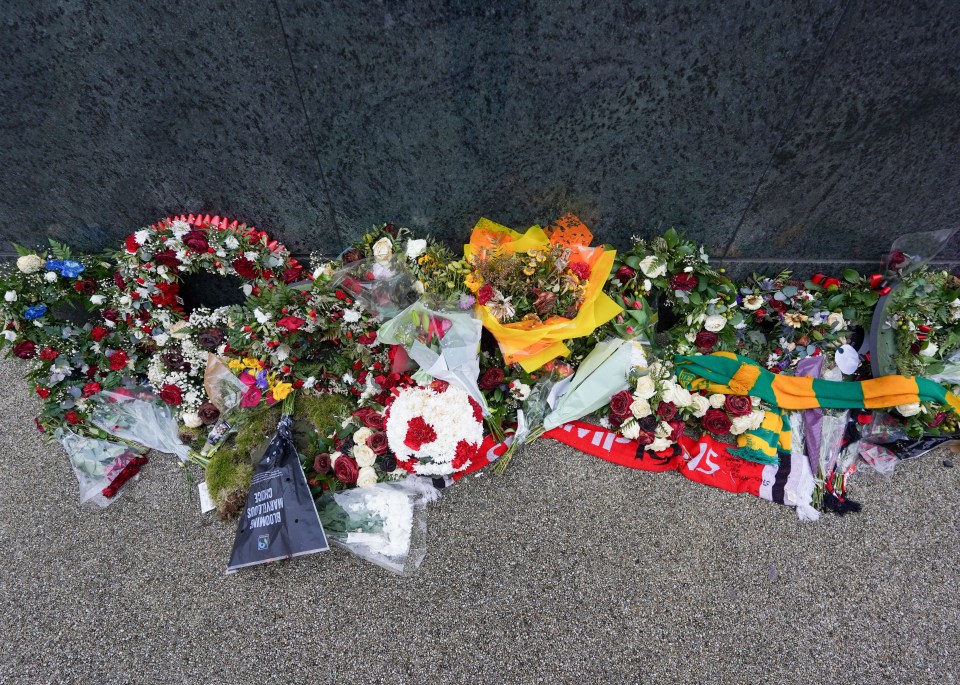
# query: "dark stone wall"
794,133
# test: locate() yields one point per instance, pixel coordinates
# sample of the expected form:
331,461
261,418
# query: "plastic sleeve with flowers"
101,466
138,416
443,340
384,523
602,374
382,285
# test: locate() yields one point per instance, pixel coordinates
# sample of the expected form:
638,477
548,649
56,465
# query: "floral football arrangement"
401,357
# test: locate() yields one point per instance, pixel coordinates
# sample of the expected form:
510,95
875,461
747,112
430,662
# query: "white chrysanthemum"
350,316
451,417
142,236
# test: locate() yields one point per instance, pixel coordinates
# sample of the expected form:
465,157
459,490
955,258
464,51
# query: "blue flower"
71,269
54,265
34,312
262,379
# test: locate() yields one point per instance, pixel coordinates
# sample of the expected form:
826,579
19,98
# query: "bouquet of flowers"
435,429
694,303
656,411
101,467
534,291
792,320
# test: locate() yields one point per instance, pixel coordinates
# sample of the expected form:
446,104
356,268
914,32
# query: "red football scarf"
705,461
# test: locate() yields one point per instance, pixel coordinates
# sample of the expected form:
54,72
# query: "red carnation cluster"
581,270
419,433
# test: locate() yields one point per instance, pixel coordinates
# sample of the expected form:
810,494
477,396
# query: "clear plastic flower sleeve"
101,467
382,288
385,523
139,416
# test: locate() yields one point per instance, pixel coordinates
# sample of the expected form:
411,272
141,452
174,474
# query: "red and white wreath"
435,429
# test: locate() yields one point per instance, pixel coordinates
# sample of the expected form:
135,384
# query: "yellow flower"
473,282
236,365
251,363
529,270
281,390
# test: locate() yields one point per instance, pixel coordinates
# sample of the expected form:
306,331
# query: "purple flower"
466,300
262,379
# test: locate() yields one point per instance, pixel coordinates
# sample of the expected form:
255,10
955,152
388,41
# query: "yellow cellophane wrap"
533,344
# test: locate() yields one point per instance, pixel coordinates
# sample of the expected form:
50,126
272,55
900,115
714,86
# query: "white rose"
10,335
10,296
640,408
717,400
383,250
30,263
415,248
668,391
366,477
647,285
756,418
929,350
646,388
714,323
836,320
658,445
754,400
191,420
364,455
631,430
652,267
911,409
699,405
50,276
360,437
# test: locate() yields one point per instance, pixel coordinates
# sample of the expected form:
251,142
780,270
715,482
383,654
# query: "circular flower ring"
154,259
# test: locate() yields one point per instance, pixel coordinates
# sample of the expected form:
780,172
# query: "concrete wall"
773,132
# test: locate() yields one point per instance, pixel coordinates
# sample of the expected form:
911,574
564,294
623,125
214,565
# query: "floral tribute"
398,357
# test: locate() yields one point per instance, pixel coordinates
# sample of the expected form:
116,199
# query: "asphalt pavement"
566,569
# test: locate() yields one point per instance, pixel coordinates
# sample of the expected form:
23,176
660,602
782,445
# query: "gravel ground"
566,569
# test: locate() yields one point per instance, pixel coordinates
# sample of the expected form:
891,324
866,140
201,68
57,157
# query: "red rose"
684,281
25,349
716,421
676,430
378,443
778,305
118,360
346,470
48,354
292,272
98,333
646,438
110,314
491,378
485,294
738,405
208,413
581,270
706,341
321,463
291,323
897,258
167,258
91,389
171,394
938,419
367,338
245,268
43,392
666,410
620,404
131,243
86,286
196,240
72,417
374,421
624,274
